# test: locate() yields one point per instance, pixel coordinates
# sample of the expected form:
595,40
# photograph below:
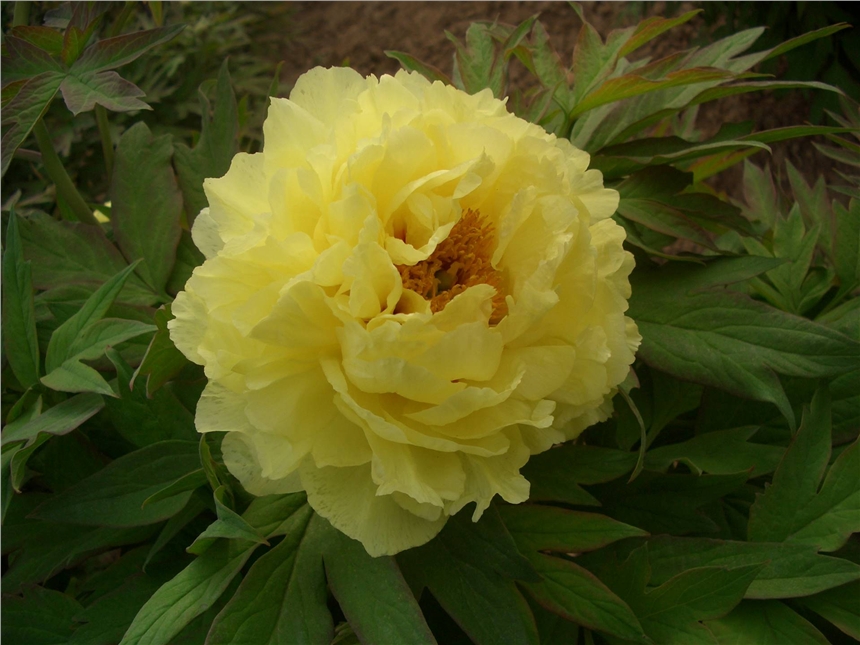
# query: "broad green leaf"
229,525
65,253
372,593
793,508
582,464
19,313
218,144
22,112
412,64
282,599
189,594
60,419
847,244
791,570
162,360
577,595
188,257
663,218
47,39
552,628
44,548
666,503
192,481
549,528
719,453
67,336
111,53
271,514
146,204
82,92
114,495
671,612
40,617
727,340
767,622
487,606
143,420
174,525
108,618
840,606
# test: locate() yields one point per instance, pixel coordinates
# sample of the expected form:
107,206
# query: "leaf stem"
54,167
104,133
21,16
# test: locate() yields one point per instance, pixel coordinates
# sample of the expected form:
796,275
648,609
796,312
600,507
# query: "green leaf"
40,617
114,495
111,53
475,65
788,45
19,313
577,595
727,340
847,244
793,508
192,481
229,525
189,594
60,419
372,593
162,360
23,112
65,253
188,257
791,570
555,475
143,420
146,203
412,64
649,29
487,606
839,606
548,528
282,599
24,59
767,622
671,612
174,525
82,92
218,144
719,453
108,618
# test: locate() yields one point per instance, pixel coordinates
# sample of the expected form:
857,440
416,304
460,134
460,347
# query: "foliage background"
716,506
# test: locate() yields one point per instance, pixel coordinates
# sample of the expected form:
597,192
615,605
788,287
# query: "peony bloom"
405,295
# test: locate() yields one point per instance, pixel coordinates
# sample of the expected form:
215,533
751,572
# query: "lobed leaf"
82,92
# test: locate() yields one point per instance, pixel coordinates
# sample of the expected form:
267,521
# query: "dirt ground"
358,33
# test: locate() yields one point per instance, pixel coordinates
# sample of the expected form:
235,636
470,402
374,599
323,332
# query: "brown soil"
358,33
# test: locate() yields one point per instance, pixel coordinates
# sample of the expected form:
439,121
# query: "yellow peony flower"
405,295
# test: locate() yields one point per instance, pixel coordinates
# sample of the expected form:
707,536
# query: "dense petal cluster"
405,295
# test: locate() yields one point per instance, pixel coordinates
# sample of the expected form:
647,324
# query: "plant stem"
21,16
107,144
54,167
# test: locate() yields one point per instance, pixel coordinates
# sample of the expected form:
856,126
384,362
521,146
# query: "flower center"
460,261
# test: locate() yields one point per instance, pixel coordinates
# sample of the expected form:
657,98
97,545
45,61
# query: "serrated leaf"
720,453
114,495
189,594
19,313
146,204
372,593
23,111
840,606
792,508
282,599
729,341
71,253
40,617
215,149
111,53
791,570
766,622
109,89
577,595
57,420
162,360
548,528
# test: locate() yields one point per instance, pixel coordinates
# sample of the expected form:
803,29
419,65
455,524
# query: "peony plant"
450,359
